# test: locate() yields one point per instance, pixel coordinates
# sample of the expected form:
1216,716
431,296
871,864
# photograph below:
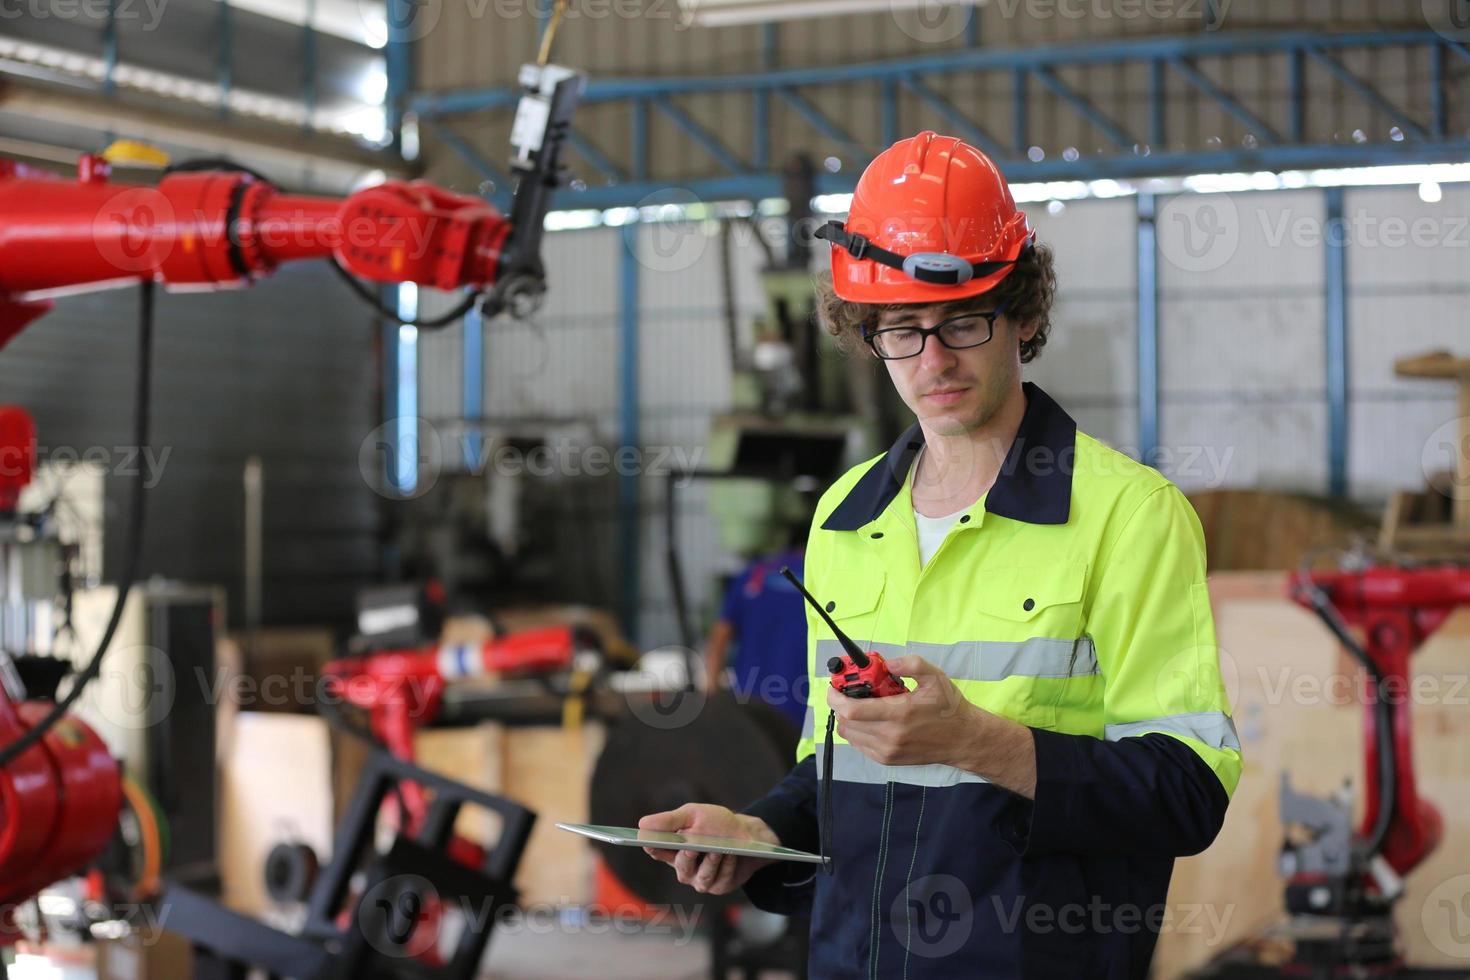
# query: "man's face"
954,391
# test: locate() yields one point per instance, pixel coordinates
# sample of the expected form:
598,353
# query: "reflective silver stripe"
1214,728
990,660
851,766
808,724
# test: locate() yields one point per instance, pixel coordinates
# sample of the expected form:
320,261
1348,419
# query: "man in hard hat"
1066,734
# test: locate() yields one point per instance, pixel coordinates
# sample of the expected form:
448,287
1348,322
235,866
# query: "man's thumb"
668,819
911,665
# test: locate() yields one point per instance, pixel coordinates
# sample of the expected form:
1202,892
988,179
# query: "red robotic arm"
217,229
214,229
210,229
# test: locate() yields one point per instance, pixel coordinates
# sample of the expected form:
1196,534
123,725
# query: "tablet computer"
664,840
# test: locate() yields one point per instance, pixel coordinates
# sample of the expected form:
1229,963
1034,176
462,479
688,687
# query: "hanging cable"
141,398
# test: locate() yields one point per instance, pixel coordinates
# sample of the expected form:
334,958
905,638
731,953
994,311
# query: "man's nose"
936,358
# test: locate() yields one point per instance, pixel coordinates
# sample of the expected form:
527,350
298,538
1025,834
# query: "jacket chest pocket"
853,602
1020,648
1040,600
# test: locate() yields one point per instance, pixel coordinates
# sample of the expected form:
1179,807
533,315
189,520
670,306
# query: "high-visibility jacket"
1070,598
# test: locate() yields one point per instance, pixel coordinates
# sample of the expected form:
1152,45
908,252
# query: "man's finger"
668,820
725,881
659,854
709,870
686,863
862,709
913,665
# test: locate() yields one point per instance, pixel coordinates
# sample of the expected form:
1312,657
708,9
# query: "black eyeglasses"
957,333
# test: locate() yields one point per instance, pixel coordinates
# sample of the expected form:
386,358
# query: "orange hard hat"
932,220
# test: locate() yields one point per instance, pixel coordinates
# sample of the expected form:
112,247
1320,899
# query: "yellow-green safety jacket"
1070,598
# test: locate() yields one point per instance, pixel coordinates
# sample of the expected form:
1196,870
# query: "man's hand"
714,874
934,723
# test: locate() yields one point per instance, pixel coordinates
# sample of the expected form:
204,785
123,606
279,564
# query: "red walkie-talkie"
859,674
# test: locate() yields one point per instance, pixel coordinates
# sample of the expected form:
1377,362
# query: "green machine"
796,421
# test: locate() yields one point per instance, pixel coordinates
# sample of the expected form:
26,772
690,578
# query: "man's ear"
1025,331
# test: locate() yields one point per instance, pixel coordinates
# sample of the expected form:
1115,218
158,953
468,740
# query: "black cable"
142,394
1382,710
367,296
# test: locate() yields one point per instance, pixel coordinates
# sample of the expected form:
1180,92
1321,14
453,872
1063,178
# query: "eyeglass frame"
871,337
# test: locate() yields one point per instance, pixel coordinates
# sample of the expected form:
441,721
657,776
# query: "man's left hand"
925,726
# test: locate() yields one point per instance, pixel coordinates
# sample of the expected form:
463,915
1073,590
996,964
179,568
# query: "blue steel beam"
308,66
1296,99
594,156
888,109
770,52
820,122
1367,92
398,65
1086,109
954,117
109,49
1020,110
755,186
470,155
472,388
1335,287
959,60
629,477
1156,104
1252,122
224,59
1436,91
700,135
1148,328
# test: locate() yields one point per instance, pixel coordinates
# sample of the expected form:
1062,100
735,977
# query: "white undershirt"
932,530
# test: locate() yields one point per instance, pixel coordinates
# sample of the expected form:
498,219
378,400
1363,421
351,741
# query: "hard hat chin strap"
933,268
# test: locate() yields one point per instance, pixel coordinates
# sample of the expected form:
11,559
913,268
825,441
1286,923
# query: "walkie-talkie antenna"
859,658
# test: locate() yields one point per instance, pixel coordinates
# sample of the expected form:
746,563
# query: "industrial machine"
1341,884
215,225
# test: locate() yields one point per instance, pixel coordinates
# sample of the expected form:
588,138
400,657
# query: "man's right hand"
714,874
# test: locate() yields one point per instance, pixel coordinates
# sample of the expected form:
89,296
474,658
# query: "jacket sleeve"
789,809
1159,780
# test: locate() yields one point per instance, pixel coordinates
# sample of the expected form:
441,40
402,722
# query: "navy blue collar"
1034,484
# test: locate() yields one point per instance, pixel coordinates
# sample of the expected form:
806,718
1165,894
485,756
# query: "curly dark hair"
1027,292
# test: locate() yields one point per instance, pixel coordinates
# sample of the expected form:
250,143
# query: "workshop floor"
578,955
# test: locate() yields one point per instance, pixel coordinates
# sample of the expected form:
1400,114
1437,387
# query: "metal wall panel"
1089,363
1242,348
284,370
1408,289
